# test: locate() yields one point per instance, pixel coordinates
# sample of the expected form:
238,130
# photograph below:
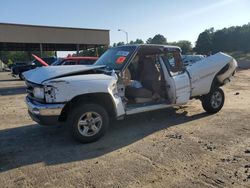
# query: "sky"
176,20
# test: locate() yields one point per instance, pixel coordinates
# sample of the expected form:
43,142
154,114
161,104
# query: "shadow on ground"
53,145
12,90
11,80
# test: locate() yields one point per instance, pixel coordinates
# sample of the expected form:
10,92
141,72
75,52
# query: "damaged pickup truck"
125,80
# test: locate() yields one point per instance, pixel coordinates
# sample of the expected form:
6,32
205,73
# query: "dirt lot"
182,147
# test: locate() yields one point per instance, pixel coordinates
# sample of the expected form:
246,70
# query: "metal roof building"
20,37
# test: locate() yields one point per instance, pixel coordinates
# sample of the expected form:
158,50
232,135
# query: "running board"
136,110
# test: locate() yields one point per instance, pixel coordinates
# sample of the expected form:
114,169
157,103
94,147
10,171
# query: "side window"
69,62
173,62
134,68
86,62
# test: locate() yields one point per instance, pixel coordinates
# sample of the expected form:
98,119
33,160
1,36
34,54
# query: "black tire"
21,76
212,105
79,112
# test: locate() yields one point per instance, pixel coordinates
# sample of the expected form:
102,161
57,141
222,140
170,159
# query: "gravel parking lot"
181,147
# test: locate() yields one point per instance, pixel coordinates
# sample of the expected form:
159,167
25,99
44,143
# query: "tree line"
11,57
185,45
228,40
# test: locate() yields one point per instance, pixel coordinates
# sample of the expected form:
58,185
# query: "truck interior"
147,79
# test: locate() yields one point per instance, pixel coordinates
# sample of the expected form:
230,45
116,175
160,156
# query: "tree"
204,42
219,41
118,44
137,41
228,39
149,40
22,56
185,45
9,63
93,52
157,39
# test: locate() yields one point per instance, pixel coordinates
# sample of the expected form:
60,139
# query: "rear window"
69,62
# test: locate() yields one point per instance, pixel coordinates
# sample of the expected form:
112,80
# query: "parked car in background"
190,59
75,61
18,69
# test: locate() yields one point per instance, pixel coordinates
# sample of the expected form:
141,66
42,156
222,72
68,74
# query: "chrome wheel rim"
89,124
216,99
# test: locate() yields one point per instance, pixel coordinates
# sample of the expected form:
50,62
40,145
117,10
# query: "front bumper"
44,114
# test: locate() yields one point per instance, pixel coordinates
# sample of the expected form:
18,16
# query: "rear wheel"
213,101
89,122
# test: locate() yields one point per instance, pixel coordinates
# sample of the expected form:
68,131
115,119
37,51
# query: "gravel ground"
180,147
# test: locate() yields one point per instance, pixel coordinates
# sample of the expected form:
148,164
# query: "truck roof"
155,46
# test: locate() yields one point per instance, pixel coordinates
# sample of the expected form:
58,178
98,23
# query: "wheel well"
103,99
215,82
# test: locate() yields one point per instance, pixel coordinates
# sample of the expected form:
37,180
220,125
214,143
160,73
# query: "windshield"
116,58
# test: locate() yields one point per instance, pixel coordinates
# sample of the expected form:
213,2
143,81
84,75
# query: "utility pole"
126,33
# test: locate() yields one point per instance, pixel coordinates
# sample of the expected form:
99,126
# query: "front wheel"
21,76
89,122
213,101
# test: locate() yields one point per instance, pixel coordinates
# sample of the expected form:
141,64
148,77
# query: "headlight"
38,92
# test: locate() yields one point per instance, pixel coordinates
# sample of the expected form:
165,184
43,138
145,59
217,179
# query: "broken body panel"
202,73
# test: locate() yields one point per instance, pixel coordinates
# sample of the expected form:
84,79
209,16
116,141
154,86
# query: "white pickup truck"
125,80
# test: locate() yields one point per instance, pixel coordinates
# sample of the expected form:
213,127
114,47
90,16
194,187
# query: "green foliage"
14,56
137,41
157,39
20,56
185,45
89,52
93,52
9,63
149,40
204,42
118,44
227,39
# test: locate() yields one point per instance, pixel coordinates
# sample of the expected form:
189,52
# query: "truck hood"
42,74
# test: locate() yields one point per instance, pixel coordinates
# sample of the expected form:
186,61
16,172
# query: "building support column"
96,51
77,49
29,55
41,50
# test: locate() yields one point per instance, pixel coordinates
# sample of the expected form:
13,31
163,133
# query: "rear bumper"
44,114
